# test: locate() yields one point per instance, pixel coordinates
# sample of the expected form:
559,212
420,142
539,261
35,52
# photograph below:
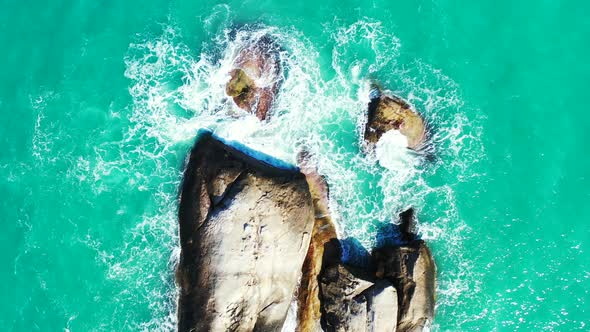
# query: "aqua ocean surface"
100,101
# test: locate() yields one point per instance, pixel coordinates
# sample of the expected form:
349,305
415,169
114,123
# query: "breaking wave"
177,90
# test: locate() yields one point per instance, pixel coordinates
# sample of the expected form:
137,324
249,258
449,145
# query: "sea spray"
177,90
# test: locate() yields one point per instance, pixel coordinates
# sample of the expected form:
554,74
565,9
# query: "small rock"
388,112
256,76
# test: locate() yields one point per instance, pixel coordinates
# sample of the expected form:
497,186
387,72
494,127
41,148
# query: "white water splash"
177,90
392,151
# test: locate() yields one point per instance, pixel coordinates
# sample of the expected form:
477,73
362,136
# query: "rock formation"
351,302
388,112
245,226
256,236
256,75
395,293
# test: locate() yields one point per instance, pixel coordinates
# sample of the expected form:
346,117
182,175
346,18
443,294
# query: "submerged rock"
256,76
388,112
245,223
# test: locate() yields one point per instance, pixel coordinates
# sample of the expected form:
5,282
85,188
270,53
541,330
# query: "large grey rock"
411,269
396,292
245,227
384,307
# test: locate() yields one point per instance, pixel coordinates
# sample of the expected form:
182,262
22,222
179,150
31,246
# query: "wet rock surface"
256,76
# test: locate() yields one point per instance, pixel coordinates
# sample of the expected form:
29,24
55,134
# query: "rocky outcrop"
411,269
388,112
351,302
256,236
256,75
245,222
395,293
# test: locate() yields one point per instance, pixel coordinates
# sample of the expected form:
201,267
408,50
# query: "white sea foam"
392,151
43,140
177,90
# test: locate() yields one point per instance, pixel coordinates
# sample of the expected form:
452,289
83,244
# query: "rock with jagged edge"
396,292
353,300
251,226
411,269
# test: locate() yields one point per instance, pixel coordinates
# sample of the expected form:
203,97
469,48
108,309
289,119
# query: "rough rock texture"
395,293
323,249
245,228
411,269
251,227
392,113
384,314
256,76
350,302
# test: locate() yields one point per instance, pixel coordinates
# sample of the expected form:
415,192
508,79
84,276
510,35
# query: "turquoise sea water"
100,102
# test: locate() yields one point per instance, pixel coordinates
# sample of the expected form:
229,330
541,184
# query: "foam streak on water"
177,90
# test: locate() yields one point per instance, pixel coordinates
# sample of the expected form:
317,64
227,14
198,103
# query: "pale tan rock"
343,305
245,228
383,307
351,302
